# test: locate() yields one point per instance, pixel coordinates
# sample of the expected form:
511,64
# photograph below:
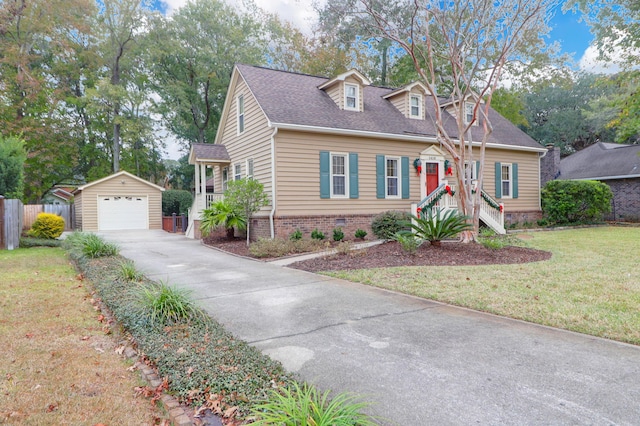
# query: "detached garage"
118,202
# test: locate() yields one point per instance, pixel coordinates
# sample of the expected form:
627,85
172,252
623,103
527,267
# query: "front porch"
211,162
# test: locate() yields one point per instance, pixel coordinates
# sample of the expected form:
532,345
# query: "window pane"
431,168
392,186
338,165
506,171
339,187
392,167
505,189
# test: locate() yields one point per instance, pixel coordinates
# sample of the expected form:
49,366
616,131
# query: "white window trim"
419,98
225,178
474,170
249,168
357,100
469,105
510,180
237,171
398,177
344,155
242,125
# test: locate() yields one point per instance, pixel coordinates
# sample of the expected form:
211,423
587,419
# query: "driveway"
419,361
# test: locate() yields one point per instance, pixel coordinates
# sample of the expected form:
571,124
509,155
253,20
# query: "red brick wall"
285,225
521,217
626,199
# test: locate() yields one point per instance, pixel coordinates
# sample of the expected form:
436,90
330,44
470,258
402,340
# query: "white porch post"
197,179
203,179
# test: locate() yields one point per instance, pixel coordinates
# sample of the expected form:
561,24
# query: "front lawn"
590,285
57,365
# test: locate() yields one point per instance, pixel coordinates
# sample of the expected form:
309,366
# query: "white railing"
205,200
442,199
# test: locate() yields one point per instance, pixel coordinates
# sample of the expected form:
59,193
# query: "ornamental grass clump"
94,247
163,304
47,226
128,272
307,407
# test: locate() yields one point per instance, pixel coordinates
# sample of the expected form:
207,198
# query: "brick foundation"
625,205
521,218
285,225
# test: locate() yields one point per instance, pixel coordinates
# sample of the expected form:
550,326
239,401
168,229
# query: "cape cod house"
334,152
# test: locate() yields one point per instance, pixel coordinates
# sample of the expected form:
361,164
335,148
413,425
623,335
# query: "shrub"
435,228
166,305
408,241
338,235
222,214
295,235
343,248
306,406
28,242
570,202
360,233
48,226
176,201
94,247
387,224
318,235
279,247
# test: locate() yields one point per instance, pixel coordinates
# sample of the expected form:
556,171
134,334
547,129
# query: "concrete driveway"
420,362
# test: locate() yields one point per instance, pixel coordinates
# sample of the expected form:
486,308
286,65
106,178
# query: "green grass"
590,285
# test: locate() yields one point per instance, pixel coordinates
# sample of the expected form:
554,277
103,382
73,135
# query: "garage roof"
115,176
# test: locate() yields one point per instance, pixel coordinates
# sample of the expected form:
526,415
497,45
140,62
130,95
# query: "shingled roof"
602,161
208,152
296,100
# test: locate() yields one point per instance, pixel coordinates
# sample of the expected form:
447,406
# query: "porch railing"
491,212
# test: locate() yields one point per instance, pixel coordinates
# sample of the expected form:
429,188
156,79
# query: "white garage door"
122,212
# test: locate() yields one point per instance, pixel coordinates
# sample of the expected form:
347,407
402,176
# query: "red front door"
431,170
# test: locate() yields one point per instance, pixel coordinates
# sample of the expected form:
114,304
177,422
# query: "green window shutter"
380,192
404,172
353,175
514,181
498,180
325,179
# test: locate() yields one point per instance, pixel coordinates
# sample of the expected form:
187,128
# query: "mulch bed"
390,254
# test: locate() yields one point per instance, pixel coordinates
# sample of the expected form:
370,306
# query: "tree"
476,39
12,158
510,104
192,56
246,196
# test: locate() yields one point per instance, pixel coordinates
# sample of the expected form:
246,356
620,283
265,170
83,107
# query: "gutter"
273,181
392,136
603,177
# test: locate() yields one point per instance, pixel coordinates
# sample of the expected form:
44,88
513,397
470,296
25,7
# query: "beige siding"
77,200
400,102
336,93
87,201
254,142
298,174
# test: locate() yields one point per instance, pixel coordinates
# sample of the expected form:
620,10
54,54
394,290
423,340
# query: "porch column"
203,178
196,181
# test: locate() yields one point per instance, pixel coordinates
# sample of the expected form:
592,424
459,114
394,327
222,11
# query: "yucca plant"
307,407
437,227
164,304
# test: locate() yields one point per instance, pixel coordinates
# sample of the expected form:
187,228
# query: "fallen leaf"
120,350
52,407
100,317
181,351
28,335
230,412
190,371
84,338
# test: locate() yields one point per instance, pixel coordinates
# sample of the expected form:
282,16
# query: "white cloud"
590,62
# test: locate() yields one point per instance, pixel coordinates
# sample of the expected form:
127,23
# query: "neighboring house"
336,152
117,202
59,195
616,165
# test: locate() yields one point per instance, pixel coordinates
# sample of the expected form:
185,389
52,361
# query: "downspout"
273,181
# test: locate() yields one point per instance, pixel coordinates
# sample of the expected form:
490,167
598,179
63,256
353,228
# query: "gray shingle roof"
602,160
294,99
209,151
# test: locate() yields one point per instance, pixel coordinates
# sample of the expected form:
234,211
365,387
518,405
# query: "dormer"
347,90
452,107
409,100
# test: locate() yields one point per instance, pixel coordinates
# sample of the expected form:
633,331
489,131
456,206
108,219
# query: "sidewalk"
419,361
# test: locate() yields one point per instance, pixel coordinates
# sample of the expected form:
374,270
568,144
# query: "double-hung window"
392,177
471,170
506,180
415,105
339,175
468,113
240,114
225,178
351,101
237,172
250,168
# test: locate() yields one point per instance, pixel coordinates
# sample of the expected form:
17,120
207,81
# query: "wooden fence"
11,214
31,212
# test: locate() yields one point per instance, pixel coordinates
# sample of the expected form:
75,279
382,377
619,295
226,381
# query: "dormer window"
468,113
351,101
415,106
